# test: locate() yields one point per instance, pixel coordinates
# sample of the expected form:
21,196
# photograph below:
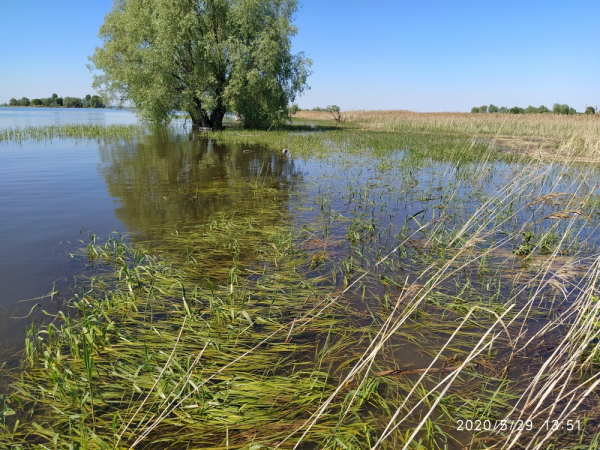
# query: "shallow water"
58,195
34,117
350,211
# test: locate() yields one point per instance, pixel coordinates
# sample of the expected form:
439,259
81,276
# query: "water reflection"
167,179
55,192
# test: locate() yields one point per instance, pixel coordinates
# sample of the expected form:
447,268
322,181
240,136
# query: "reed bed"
550,136
425,283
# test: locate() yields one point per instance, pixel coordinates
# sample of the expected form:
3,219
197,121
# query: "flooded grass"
372,290
75,131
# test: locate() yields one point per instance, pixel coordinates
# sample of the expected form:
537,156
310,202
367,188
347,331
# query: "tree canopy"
90,101
557,109
206,57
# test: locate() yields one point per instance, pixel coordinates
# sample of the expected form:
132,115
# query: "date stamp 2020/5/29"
517,425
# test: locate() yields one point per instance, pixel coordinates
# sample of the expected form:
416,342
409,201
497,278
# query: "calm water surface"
24,117
56,194
50,192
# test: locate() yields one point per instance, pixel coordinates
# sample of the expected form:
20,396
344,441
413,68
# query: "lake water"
55,195
51,192
350,208
23,117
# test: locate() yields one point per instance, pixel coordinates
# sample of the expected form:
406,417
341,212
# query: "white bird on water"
285,152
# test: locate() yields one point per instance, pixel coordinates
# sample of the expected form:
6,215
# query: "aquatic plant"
385,301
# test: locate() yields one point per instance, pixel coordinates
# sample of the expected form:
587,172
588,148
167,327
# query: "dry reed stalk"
548,136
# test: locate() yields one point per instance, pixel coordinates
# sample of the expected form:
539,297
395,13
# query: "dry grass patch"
546,136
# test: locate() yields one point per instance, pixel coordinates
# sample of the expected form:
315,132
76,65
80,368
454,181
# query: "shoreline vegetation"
348,327
541,136
54,101
542,109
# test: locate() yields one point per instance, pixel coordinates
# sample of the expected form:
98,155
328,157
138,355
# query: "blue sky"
420,55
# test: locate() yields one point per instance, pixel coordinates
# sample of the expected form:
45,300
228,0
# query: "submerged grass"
418,284
68,131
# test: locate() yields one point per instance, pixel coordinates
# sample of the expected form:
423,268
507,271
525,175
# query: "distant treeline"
330,108
89,101
556,109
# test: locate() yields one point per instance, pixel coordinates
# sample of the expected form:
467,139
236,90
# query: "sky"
420,55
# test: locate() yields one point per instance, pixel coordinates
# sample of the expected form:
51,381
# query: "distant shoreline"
66,107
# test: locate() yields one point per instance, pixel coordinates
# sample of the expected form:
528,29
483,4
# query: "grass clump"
233,349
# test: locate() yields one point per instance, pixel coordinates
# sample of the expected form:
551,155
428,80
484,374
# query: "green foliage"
527,246
96,102
531,110
563,109
332,108
53,101
590,110
206,58
90,101
72,102
294,109
558,109
56,100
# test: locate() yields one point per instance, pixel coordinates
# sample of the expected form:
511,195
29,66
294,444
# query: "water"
51,193
355,209
23,117
56,195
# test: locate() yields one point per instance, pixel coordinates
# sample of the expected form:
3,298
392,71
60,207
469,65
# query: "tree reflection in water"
166,180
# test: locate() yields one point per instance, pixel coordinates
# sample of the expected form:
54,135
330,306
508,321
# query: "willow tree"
205,57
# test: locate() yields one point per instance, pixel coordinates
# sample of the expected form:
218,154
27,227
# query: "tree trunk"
199,116
216,118
218,113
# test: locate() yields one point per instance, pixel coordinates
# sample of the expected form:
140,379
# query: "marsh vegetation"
396,279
